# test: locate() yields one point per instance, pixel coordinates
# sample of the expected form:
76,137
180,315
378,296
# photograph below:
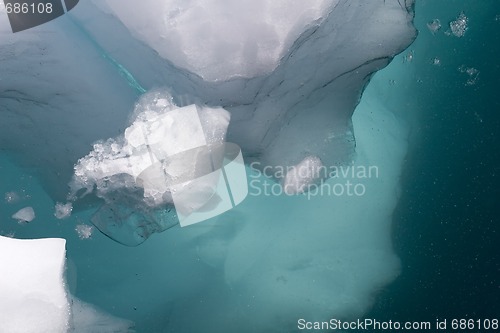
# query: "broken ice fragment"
147,148
33,296
84,231
459,26
63,211
24,215
434,25
168,157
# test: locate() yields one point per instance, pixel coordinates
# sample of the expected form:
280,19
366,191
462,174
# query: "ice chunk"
459,26
63,211
152,150
33,297
168,155
84,231
434,25
33,293
159,131
24,215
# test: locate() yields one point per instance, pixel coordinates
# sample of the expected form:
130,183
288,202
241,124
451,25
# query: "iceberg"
295,104
325,53
122,111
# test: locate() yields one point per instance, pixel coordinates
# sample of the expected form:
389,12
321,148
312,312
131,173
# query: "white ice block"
33,298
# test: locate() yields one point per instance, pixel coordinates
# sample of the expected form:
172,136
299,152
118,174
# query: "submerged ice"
80,85
26,214
158,162
275,127
63,211
151,149
283,87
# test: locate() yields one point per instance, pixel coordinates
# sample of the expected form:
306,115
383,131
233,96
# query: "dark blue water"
446,226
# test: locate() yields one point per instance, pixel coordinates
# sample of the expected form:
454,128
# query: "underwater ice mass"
104,103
